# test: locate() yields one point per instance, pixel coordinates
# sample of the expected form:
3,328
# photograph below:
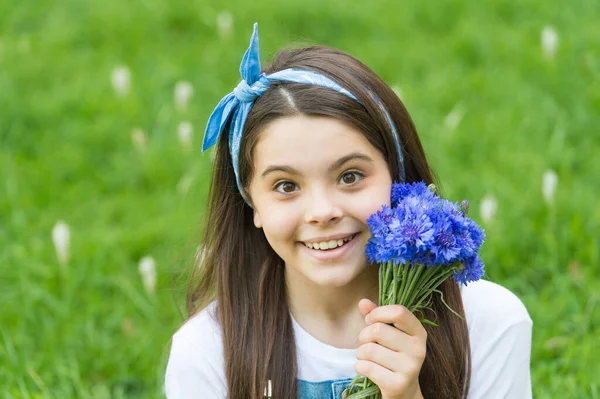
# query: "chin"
335,277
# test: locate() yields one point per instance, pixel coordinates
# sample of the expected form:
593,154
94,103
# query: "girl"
286,301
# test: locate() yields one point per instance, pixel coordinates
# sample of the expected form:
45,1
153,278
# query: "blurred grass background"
493,110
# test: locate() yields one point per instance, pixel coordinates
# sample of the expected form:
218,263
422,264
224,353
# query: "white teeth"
328,244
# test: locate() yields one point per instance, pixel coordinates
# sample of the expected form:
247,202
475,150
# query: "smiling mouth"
329,245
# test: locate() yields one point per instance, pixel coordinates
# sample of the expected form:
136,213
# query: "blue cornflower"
411,226
410,233
379,222
399,191
422,228
475,232
418,189
445,247
473,270
378,251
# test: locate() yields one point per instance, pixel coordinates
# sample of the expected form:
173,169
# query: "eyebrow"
334,166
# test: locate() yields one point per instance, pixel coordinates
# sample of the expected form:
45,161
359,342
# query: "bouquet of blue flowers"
419,242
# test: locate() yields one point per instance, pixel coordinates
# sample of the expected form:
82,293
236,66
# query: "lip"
331,254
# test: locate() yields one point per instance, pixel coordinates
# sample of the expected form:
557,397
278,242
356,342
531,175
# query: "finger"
392,338
385,357
366,306
389,382
375,372
400,317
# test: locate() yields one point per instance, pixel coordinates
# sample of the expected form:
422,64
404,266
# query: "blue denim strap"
330,389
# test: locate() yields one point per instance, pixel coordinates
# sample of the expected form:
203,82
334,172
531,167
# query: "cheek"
279,224
371,201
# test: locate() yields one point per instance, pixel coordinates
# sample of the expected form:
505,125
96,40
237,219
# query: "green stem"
404,269
385,288
419,280
413,278
406,275
431,285
424,296
380,273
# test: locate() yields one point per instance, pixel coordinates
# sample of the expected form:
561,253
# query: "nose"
322,207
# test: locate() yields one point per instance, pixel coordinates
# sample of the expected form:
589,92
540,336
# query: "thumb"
366,306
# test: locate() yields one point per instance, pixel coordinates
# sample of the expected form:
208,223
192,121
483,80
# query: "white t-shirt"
499,329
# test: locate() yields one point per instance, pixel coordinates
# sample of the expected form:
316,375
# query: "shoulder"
500,331
202,331
489,304
196,364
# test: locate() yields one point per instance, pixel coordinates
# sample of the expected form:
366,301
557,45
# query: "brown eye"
285,187
350,177
288,187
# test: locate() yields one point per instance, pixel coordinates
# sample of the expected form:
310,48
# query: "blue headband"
253,85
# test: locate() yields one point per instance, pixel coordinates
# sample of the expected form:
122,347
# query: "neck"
328,313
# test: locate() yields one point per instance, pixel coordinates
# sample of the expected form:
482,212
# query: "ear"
257,221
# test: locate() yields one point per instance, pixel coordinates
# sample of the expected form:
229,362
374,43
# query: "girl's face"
316,181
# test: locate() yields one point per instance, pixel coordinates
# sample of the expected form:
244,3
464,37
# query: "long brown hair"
247,278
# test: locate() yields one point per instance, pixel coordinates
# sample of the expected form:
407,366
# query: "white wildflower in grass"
575,272
120,79
183,186
396,89
454,117
138,138
549,183
127,326
557,342
225,23
184,132
61,237
488,208
147,269
549,42
183,92
100,390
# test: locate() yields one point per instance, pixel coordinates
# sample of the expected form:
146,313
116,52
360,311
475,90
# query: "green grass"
89,330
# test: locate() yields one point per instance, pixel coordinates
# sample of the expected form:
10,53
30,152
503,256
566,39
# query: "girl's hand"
391,355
